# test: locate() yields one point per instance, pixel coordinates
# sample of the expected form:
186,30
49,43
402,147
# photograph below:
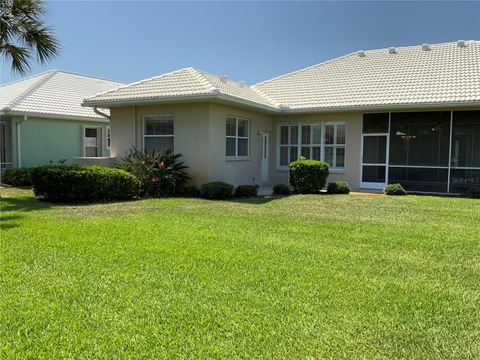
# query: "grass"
298,277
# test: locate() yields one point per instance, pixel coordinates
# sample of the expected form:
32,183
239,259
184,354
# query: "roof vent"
426,47
461,43
361,53
392,50
224,78
242,83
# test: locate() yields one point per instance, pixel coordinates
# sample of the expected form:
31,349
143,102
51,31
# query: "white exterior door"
374,161
265,155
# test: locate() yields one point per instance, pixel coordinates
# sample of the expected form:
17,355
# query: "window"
107,137
158,133
320,141
91,142
237,137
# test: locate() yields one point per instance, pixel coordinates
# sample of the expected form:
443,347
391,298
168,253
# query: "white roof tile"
444,73
53,93
183,83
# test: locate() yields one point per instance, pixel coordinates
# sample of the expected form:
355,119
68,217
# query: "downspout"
98,112
19,141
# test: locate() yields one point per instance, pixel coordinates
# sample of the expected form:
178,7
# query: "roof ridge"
267,97
304,69
32,89
136,83
89,76
201,76
28,77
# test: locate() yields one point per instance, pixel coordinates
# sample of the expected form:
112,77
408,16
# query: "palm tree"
23,34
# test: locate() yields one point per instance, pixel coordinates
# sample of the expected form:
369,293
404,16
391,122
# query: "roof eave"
378,107
177,99
53,116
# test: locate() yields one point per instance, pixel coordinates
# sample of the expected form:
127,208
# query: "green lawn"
304,277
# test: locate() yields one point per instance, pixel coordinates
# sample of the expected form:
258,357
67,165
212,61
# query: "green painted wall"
43,140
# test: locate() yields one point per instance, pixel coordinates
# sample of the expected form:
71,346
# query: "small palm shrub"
308,176
158,173
246,191
75,183
281,189
17,176
217,190
339,187
394,189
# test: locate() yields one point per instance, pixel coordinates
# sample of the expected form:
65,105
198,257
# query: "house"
409,115
42,120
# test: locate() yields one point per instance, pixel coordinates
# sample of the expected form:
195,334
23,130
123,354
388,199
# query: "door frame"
375,185
265,157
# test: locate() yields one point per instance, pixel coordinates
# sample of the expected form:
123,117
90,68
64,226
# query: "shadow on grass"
257,200
23,204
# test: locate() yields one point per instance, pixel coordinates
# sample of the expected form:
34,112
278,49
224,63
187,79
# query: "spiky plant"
158,173
23,34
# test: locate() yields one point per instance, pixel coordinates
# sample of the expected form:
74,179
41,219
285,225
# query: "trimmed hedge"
281,189
394,189
17,176
339,187
74,183
191,191
246,191
217,190
308,176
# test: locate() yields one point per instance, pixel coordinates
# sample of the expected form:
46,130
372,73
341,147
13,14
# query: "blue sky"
251,41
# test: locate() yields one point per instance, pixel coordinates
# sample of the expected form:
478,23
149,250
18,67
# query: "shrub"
158,173
308,176
192,191
394,189
281,189
339,187
473,192
246,191
217,190
74,183
17,177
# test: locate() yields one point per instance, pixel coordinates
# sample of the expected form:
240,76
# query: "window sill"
238,158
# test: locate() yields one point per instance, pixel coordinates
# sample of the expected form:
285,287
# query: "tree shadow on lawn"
18,205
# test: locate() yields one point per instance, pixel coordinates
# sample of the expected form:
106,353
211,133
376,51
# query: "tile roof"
53,93
430,74
447,73
183,83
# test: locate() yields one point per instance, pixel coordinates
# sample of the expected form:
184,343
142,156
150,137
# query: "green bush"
64,183
158,173
473,192
281,189
17,177
339,187
246,191
394,189
308,176
217,190
191,191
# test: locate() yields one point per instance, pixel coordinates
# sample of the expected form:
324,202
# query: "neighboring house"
408,115
42,119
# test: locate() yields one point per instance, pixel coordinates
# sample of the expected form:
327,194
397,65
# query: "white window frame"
144,127
322,144
99,140
108,137
236,137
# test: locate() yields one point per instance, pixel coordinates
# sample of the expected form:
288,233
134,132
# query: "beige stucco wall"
353,121
199,130
236,172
